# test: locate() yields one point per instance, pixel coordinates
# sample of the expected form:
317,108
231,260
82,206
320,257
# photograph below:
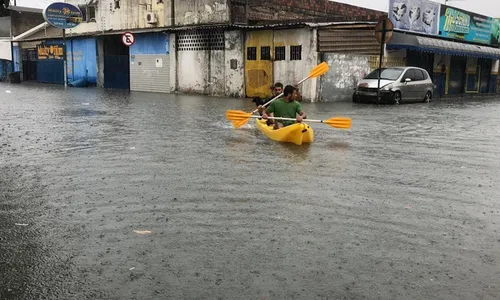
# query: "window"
389,74
409,74
419,75
296,52
91,13
252,53
117,4
279,53
265,53
426,76
88,12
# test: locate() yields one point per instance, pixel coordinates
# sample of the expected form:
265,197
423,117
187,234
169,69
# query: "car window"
389,74
426,76
409,74
419,75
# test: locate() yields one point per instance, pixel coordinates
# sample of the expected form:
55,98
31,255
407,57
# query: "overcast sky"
490,8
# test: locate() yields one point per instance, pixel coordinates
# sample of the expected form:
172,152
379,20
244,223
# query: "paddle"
240,118
319,70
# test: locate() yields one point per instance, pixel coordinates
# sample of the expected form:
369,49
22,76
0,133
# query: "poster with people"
420,16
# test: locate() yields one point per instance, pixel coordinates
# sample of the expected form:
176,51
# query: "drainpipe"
172,12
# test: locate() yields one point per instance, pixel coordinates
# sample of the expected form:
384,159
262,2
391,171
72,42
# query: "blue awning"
427,44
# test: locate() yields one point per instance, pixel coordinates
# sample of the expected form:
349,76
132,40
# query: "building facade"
239,48
462,57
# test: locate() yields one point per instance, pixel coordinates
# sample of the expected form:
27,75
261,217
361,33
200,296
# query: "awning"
427,44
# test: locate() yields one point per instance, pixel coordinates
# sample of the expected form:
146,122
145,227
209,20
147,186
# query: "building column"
100,62
174,82
494,86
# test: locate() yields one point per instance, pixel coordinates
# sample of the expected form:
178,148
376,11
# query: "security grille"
200,40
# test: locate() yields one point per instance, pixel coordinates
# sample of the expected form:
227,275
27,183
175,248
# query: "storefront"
456,68
459,49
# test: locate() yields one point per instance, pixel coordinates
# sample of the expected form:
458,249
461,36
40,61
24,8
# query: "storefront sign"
45,52
420,16
495,32
466,26
62,15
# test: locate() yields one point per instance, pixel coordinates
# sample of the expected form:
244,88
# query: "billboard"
420,16
466,26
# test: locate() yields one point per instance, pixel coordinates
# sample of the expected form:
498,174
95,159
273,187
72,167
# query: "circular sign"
389,30
128,39
62,15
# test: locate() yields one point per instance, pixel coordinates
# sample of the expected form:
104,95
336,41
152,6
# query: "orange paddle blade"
341,123
319,70
237,117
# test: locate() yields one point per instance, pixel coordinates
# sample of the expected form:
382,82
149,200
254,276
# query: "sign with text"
466,26
62,15
495,32
46,52
419,16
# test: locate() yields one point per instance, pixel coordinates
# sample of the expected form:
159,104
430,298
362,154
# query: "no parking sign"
128,39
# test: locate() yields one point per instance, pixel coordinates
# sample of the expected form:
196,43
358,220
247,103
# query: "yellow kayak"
298,133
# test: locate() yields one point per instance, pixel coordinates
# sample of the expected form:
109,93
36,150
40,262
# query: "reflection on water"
233,213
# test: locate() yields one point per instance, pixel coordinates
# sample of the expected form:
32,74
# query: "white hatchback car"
397,85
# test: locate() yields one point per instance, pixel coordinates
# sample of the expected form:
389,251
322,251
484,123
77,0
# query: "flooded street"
117,195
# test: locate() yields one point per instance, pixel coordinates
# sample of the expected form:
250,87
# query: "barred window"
265,53
279,53
296,52
251,53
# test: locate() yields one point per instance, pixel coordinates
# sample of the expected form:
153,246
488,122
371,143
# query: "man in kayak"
277,89
286,107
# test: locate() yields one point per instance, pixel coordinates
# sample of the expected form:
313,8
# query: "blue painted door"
116,72
50,71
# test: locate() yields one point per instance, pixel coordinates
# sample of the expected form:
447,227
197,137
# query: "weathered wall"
201,72
5,50
5,26
22,22
100,62
129,15
345,72
189,12
235,74
173,64
309,10
209,71
291,71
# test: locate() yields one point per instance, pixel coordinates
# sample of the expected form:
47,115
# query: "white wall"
345,72
5,50
234,78
291,71
108,18
209,72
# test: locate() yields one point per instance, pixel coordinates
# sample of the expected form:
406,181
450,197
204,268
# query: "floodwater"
117,195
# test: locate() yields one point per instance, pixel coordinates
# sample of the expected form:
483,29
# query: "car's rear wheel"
428,97
396,97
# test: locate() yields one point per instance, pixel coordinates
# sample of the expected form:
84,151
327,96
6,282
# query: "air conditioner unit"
151,18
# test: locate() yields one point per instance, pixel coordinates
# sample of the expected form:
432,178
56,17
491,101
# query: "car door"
407,87
420,87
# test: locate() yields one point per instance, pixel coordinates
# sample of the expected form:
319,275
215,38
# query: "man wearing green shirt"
286,107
